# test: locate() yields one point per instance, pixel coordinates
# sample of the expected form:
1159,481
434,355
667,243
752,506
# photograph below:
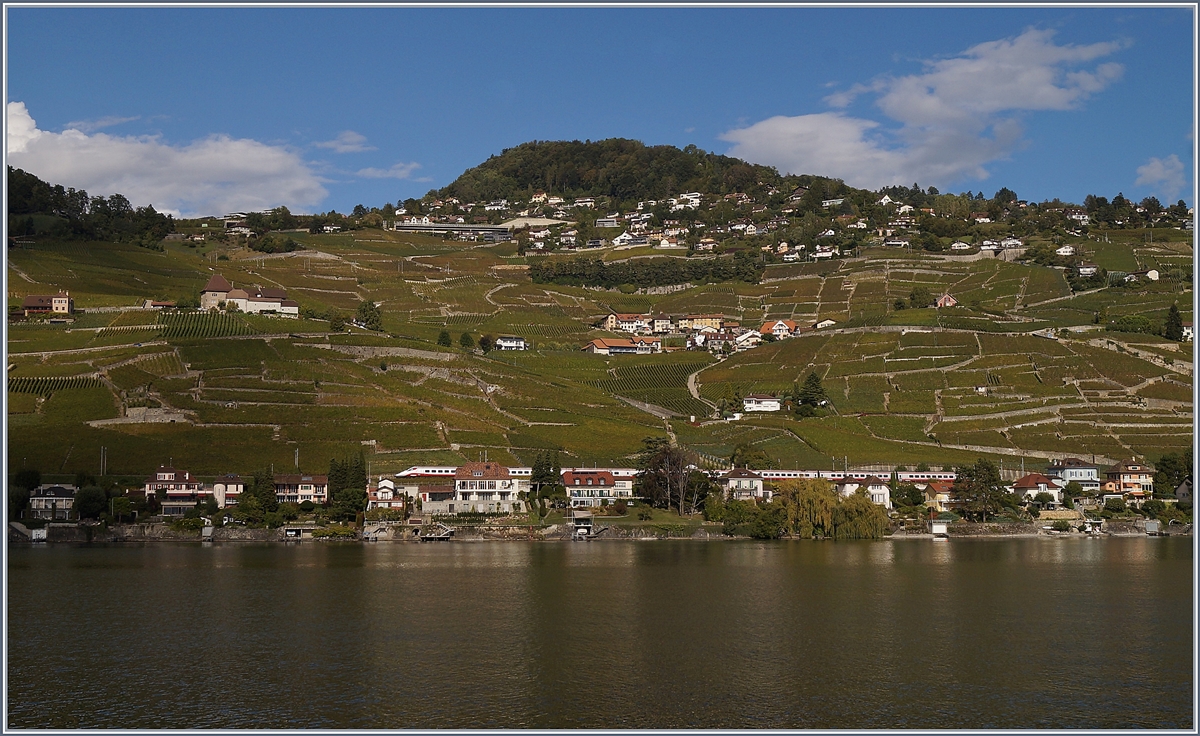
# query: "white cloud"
1163,175
213,175
347,142
88,126
954,118
397,171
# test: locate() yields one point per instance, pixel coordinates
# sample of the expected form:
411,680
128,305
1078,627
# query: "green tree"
663,476
979,485
369,316
121,507
1171,470
90,502
444,338
812,392
1043,498
920,297
485,343
1174,327
746,455
466,341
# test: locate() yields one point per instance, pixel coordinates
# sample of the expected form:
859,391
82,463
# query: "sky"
205,110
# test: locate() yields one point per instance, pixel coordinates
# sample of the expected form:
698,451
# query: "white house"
623,239
1066,250
823,324
227,488
508,342
742,484
1087,269
876,489
596,487
960,245
760,402
1072,469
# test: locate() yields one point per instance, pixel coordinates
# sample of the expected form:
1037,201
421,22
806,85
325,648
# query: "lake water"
1012,633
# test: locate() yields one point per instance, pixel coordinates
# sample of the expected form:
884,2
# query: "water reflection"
619,634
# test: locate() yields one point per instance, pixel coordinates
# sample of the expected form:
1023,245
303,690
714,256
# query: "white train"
908,476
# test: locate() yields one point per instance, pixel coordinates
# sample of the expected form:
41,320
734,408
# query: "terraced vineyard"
662,382
44,386
187,325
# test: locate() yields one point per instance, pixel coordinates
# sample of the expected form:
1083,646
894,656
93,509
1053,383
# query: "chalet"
585,202
60,303
905,208
960,245
798,194
623,239
1087,269
792,257
741,484
780,328
485,487
760,402
945,300
822,254
298,488
596,487
832,202
896,242
179,490
824,324
508,342
1011,243
624,346
1065,250
1077,214
747,340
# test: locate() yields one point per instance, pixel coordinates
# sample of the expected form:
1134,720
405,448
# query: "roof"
569,476
760,397
238,294
270,293
1033,480
52,492
485,470
218,283
770,326
741,473
295,479
627,316
229,478
939,486
177,475
622,342
1129,466
35,301
1072,462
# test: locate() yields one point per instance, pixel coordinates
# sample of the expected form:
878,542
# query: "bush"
1115,505
307,506
334,532
193,524
1061,525
620,507
948,516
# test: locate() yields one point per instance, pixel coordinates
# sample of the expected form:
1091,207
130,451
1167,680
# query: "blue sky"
203,110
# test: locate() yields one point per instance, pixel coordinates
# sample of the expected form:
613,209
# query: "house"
697,321
823,324
780,328
620,322
661,324
52,501
1188,334
832,202
1130,478
875,488
1077,214
1072,469
905,208
178,490
624,346
896,242
215,292
1029,486
508,342
1011,243
257,300
1066,250
1149,275
298,488
960,245
385,496
1183,492
945,300
485,487
938,495
227,489
747,340
1087,269
585,202
623,239
885,200
706,244
980,217
820,254
741,484
760,402
791,257
595,487
610,221
60,303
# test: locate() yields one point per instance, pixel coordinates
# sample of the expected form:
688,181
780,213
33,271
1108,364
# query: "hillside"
903,383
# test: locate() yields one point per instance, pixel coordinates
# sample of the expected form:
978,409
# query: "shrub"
1115,505
1061,525
189,525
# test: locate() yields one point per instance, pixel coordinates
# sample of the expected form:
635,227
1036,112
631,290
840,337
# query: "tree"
979,485
746,455
90,502
18,499
466,341
663,476
920,297
485,343
369,316
1171,470
444,338
1043,497
812,392
1174,327
121,507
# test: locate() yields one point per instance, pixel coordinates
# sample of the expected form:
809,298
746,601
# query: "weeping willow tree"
811,509
855,517
808,506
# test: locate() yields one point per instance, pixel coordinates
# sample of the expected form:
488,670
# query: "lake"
995,633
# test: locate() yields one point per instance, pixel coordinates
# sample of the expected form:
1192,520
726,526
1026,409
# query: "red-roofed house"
1029,486
485,487
215,292
780,328
593,487
60,303
180,489
624,346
